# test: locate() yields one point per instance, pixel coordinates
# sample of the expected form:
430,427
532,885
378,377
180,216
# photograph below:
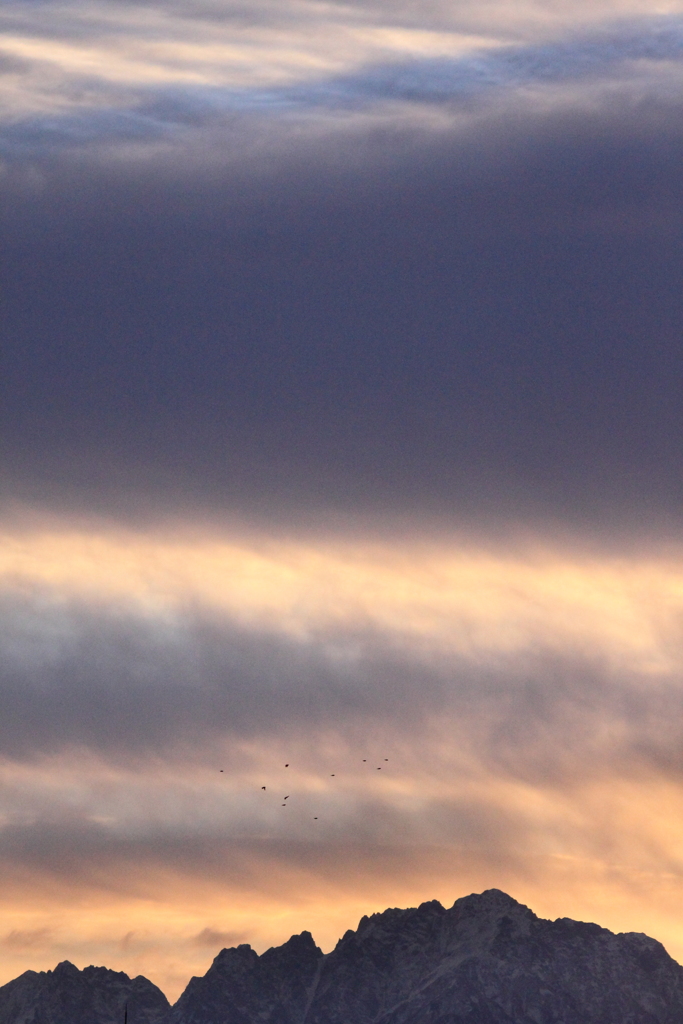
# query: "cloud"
545,667
639,59
133,76
215,939
410,324
115,681
529,706
363,311
23,940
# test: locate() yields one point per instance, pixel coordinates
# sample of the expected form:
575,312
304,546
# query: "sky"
341,429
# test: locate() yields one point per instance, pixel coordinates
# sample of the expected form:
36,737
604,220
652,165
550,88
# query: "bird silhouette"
285,798
263,787
286,766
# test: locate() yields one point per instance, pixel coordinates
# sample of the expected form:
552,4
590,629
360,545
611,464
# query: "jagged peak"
65,967
92,969
301,939
491,901
303,942
397,913
241,952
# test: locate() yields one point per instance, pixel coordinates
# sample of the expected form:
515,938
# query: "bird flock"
333,775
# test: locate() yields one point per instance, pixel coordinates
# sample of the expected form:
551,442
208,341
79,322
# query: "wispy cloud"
128,74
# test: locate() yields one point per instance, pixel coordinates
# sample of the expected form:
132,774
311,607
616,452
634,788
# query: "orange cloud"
443,596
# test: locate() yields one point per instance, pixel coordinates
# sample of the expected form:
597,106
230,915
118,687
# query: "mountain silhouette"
486,960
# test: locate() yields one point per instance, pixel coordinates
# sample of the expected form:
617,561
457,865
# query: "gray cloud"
484,324
113,681
123,685
447,80
218,940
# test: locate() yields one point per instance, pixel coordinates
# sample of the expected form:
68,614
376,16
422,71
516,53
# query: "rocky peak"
477,922
242,987
94,995
236,960
66,969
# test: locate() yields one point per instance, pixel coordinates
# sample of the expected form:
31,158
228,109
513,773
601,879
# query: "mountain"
486,960
92,996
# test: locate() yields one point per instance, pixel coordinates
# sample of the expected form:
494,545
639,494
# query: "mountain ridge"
95,995
486,960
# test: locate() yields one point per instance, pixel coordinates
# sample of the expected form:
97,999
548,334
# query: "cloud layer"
309,258
470,324
137,78
463,714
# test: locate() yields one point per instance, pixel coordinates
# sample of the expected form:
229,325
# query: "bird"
364,760
380,768
286,766
332,775
315,819
284,805
221,769
263,787
386,758
285,798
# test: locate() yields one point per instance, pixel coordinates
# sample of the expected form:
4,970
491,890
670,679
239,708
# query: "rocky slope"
486,960
69,996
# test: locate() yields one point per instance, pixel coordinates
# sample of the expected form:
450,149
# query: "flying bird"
285,798
263,787
286,766
221,769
